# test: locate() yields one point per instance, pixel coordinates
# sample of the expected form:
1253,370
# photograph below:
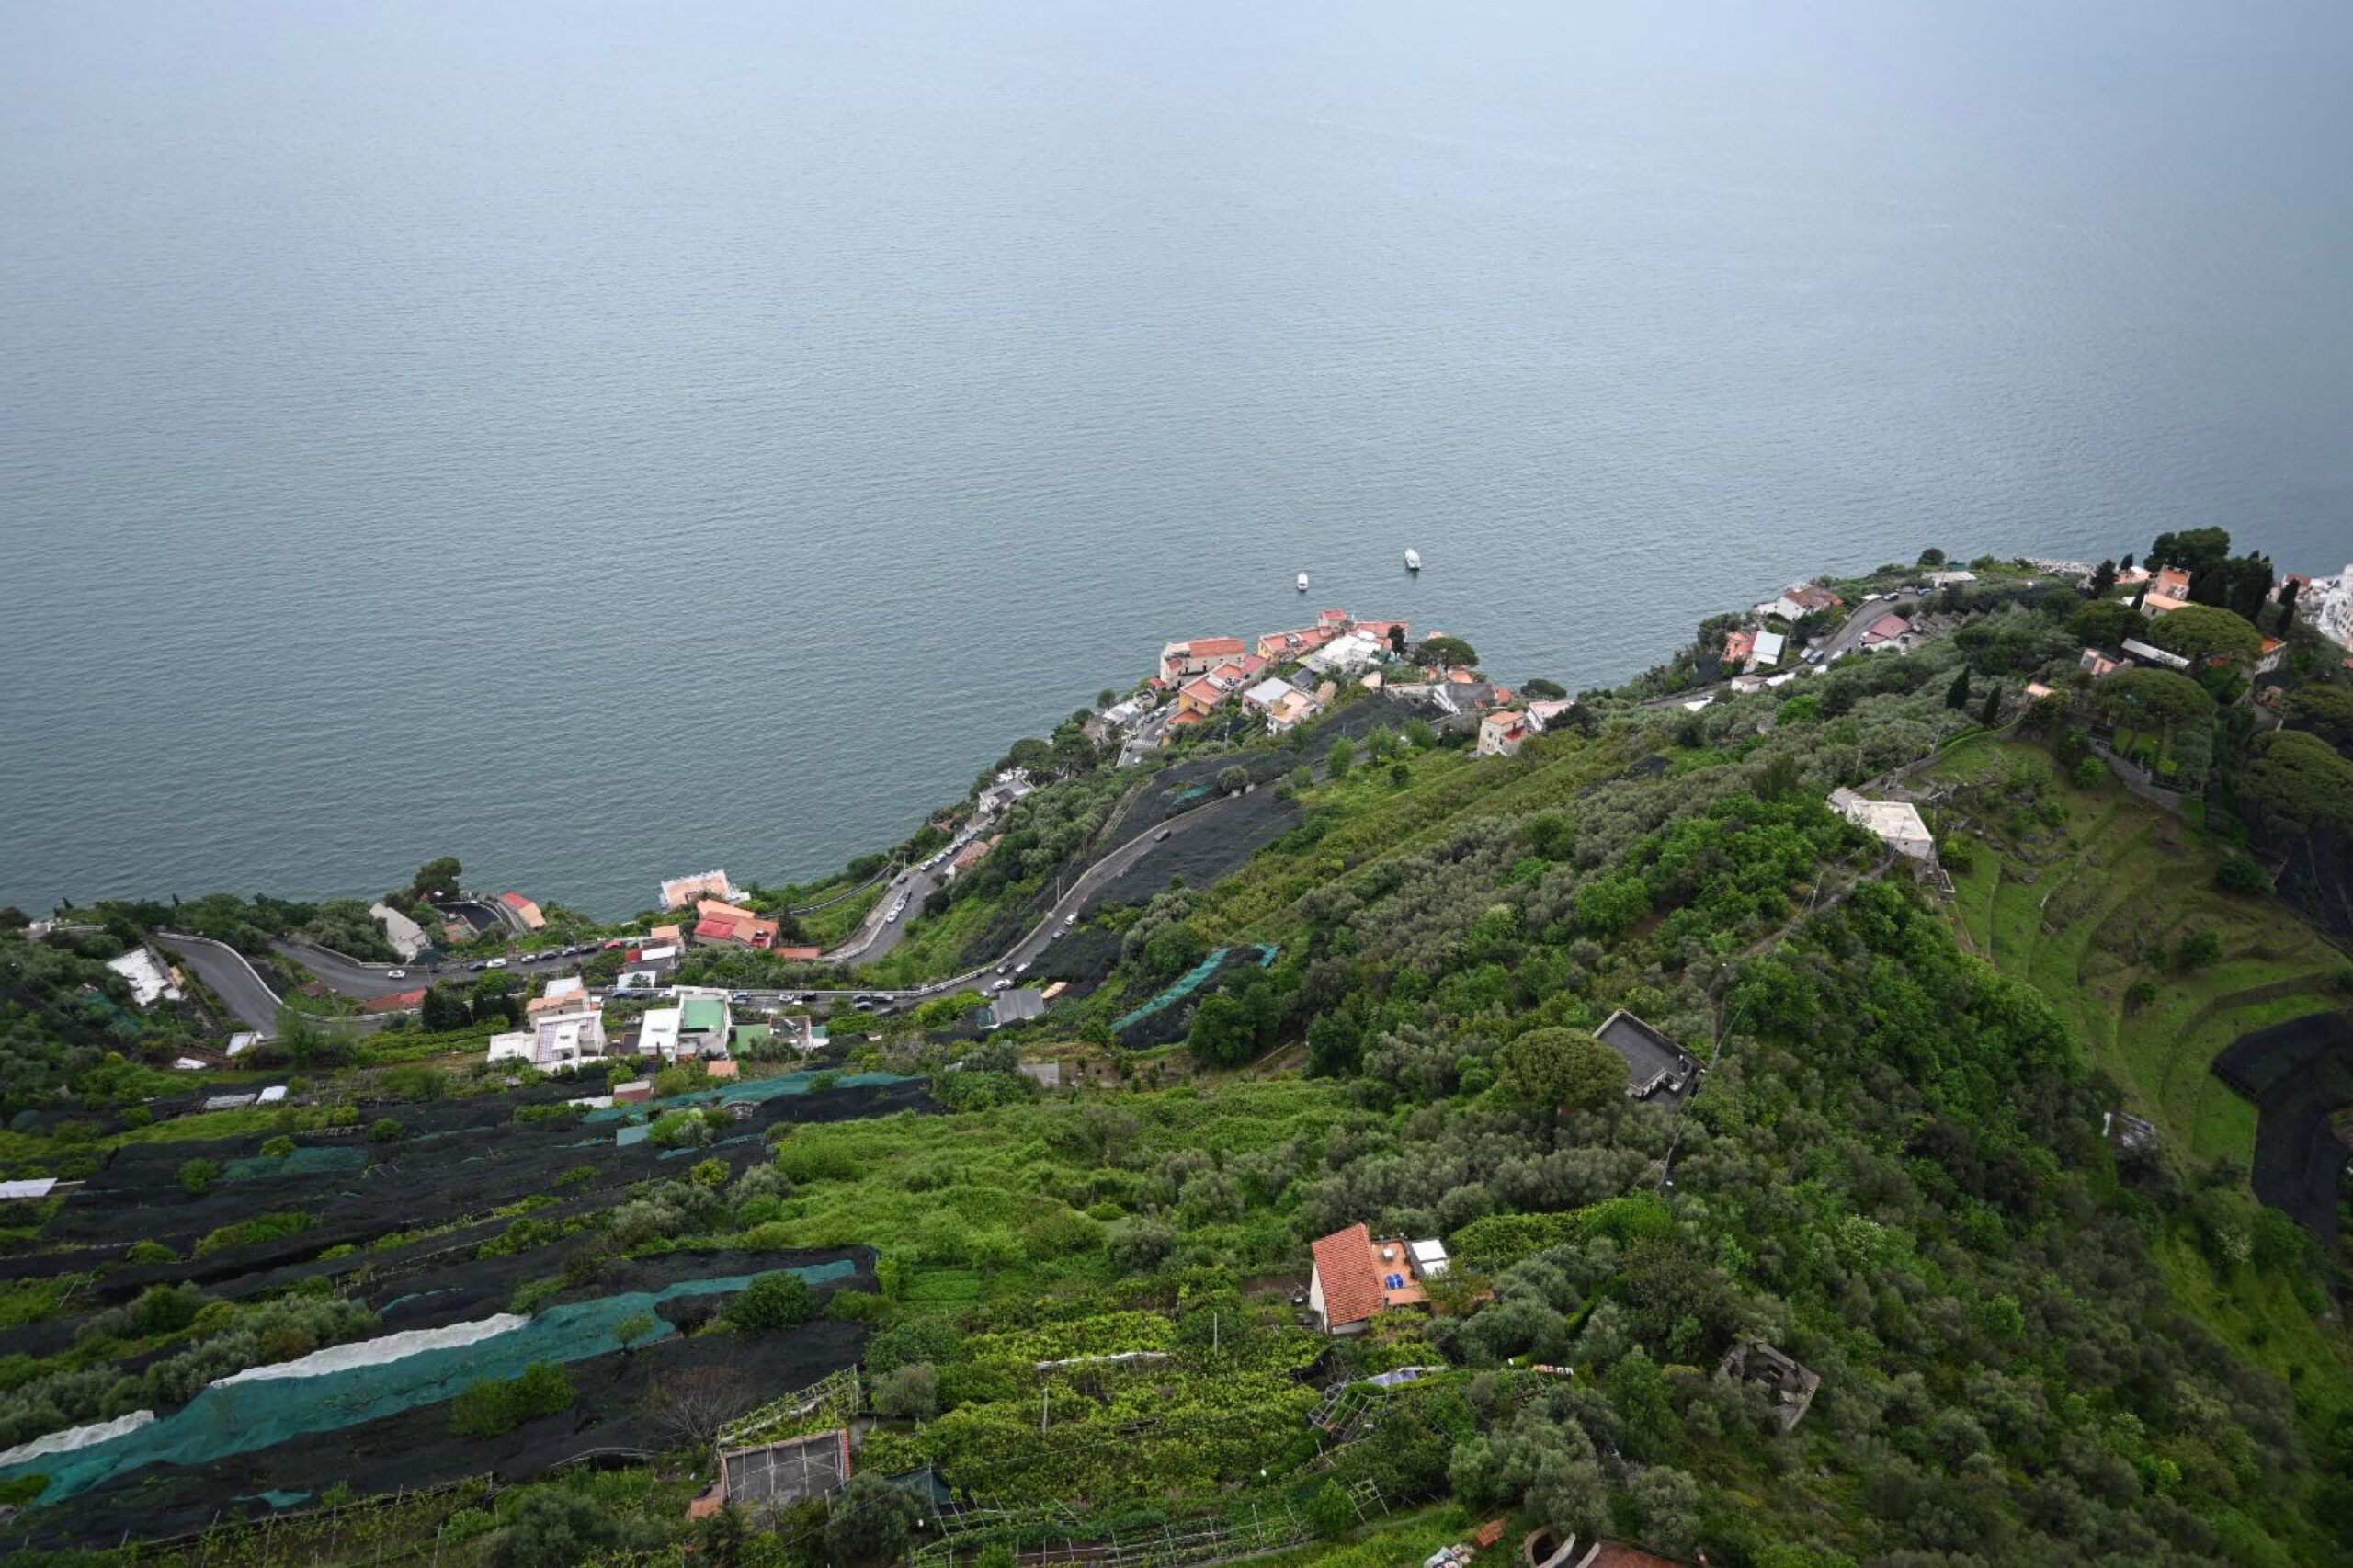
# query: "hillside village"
1323,1101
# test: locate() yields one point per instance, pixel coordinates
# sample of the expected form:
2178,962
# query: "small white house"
657,1032
1896,822
1768,650
150,982
1353,652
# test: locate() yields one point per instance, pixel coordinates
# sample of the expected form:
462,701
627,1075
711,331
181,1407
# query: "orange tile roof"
1214,647
1351,1290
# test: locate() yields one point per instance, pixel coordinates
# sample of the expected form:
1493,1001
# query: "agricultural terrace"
2090,894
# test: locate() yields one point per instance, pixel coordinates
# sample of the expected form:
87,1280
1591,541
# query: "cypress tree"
1991,713
1957,694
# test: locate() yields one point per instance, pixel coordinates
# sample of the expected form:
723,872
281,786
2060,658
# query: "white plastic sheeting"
33,1186
76,1437
376,1352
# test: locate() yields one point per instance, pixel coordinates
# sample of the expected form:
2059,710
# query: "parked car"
1071,919
1021,967
477,968
496,963
1162,834
397,975
1001,985
740,998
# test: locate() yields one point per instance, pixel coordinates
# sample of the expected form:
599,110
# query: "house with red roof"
398,1002
524,909
1354,1277
726,924
1888,630
1181,661
1282,647
1503,732
1203,695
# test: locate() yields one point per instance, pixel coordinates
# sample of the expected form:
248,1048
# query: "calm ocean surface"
604,441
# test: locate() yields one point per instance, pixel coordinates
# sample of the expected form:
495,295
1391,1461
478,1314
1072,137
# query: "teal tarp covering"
1198,977
235,1418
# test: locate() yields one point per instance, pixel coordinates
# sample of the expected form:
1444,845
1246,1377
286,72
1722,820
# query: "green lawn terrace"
2087,895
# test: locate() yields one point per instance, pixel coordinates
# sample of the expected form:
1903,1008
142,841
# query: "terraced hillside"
2087,893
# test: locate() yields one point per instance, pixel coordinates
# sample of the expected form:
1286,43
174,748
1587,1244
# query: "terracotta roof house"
524,907
565,993
972,854
1203,694
1282,646
1267,693
1739,645
399,1002
1502,732
1292,711
1796,603
2096,663
2268,660
725,923
2154,604
1356,1277
2173,581
1180,661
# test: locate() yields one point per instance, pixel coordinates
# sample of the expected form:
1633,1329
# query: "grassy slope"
830,927
2066,923
1374,819
2069,910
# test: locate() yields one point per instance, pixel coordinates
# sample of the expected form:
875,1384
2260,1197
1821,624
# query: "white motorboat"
1302,582
1413,560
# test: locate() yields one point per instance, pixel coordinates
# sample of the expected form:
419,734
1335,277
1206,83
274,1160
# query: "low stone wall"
2135,777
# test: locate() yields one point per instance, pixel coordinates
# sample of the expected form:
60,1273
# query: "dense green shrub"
266,1227
497,1406
782,1299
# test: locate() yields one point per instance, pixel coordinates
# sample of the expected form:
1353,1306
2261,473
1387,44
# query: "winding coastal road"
233,980
876,937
